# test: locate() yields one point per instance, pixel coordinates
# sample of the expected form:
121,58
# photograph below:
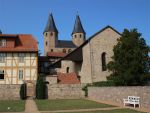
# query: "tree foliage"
131,62
23,91
40,88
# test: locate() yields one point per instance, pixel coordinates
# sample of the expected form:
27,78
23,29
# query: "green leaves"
130,60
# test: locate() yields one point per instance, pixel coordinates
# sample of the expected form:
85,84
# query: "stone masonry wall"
65,91
9,92
116,94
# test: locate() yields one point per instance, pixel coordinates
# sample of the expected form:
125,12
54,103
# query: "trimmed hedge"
40,88
104,83
23,91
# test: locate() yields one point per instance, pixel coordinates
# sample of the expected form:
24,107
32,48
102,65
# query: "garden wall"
116,94
9,92
65,91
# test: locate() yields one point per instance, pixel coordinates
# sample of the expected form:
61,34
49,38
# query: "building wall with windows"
96,54
18,59
18,67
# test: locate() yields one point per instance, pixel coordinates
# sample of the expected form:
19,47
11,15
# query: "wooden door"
30,90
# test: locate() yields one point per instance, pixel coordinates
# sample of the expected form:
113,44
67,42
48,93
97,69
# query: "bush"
104,83
85,89
40,88
23,91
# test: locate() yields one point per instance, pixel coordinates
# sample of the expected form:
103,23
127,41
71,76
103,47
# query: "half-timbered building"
18,59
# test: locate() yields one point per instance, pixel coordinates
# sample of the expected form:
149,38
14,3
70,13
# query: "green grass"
68,104
12,105
110,111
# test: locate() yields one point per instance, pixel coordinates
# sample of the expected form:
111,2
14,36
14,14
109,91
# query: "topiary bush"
40,88
23,91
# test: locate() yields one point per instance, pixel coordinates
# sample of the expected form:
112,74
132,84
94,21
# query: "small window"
1,74
21,57
67,70
46,43
80,36
2,57
75,36
20,74
64,50
69,50
103,60
51,33
51,50
45,34
2,42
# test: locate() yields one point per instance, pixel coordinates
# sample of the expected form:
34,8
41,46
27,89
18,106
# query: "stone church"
53,47
79,60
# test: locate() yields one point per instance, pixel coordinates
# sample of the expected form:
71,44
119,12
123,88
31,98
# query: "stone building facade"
89,60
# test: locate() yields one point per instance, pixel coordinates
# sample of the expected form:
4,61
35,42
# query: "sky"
30,16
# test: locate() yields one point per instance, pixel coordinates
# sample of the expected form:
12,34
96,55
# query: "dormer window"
2,42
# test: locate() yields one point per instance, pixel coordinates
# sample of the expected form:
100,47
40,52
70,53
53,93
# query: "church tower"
50,35
78,33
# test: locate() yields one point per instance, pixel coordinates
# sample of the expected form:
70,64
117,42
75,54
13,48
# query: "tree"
40,88
131,62
23,91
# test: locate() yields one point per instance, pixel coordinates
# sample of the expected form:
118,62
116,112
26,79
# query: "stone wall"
65,91
116,94
9,92
103,42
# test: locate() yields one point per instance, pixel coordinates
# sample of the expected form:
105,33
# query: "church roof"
50,26
76,54
78,28
65,44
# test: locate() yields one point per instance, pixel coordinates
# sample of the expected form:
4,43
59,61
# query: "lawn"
111,111
12,105
68,104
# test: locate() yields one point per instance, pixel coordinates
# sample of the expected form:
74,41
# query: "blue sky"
30,16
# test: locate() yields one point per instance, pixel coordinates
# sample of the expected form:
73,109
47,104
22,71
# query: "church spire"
50,26
78,26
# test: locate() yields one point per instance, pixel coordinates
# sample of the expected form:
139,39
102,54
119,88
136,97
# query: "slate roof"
19,43
78,28
50,26
65,44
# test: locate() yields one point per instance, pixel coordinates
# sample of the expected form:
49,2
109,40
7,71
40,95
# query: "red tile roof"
68,78
19,43
56,54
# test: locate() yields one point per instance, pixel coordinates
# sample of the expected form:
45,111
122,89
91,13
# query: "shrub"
23,91
104,83
40,88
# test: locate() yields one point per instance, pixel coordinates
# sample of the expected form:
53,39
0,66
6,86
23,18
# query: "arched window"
80,35
46,43
64,50
45,34
67,70
69,50
75,36
51,33
103,60
51,50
